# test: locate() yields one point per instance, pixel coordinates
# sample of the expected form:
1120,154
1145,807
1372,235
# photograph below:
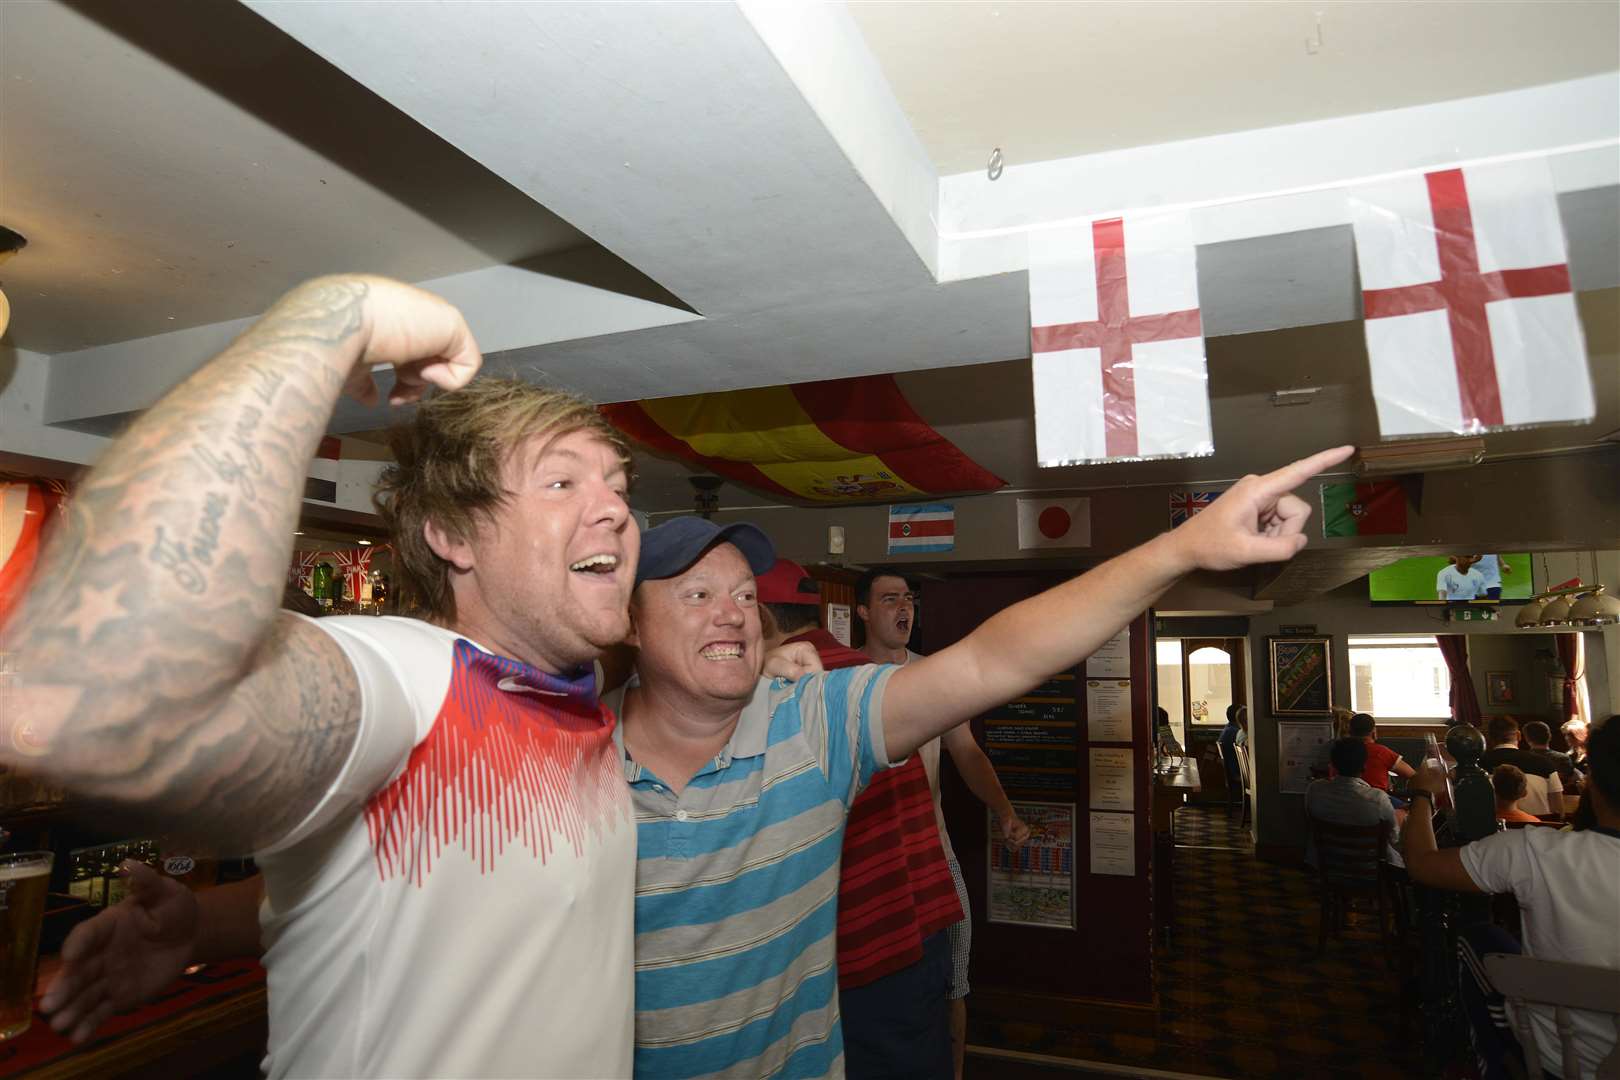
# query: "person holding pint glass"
24,880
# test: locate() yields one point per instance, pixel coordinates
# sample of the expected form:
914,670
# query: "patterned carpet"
1242,992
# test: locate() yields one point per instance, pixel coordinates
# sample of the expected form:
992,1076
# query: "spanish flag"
843,440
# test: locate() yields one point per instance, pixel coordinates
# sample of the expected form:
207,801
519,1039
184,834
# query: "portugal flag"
1375,508
843,440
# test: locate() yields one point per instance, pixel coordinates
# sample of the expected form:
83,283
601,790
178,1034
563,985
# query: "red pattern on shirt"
895,888
1380,759
502,765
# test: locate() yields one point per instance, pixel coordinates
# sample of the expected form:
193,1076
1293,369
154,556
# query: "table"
1170,791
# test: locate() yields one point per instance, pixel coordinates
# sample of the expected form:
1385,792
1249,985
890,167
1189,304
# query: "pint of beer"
24,879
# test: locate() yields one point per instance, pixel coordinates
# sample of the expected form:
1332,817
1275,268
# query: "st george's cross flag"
922,527
1470,319
1054,523
1117,342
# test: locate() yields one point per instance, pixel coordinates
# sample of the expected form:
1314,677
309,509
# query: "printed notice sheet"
1113,844
1034,885
1112,785
1108,710
1301,746
838,622
1113,659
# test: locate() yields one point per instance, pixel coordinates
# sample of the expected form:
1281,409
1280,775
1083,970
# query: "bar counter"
209,1023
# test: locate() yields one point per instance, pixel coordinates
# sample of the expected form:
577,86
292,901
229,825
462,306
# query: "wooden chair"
1245,776
1229,766
1350,864
1525,979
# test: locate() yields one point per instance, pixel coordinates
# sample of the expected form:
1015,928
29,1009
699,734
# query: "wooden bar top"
210,1023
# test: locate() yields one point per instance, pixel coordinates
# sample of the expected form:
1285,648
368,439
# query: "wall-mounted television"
1453,579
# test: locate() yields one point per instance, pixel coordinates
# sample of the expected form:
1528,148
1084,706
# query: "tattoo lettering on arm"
294,718
152,671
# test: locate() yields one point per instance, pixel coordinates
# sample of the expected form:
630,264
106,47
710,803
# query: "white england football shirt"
462,901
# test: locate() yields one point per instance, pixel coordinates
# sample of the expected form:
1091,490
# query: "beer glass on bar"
24,879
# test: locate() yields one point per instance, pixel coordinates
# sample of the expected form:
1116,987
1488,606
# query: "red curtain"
1464,701
1573,659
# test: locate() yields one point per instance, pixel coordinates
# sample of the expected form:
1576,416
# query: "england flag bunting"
1470,321
1117,342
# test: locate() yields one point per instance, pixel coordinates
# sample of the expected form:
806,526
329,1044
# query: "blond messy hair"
448,463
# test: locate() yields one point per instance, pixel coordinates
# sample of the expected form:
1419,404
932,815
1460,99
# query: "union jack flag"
1184,504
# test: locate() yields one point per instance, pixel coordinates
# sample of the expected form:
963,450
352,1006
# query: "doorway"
1197,678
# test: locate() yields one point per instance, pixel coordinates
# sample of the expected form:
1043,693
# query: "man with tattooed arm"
447,844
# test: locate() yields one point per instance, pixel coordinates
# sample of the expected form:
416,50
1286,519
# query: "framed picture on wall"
1301,675
1500,688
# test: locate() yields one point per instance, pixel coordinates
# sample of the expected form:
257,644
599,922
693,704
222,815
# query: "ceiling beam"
585,293
669,133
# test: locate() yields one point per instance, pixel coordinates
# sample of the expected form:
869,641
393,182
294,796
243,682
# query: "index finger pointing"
1291,476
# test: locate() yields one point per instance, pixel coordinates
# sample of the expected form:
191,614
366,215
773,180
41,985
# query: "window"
1209,679
1399,678
1168,662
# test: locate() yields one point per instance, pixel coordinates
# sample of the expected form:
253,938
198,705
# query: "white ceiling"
178,165
1051,80
174,165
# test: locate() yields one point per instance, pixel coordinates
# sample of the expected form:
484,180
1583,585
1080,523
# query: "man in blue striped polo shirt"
741,785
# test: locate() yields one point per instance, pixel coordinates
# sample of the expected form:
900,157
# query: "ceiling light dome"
1596,608
1556,613
1530,614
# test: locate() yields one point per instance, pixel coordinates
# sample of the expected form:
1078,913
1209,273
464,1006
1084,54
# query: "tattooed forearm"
174,558
170,567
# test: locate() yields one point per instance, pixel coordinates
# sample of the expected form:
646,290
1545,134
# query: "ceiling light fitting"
1423,455
1596,608
10,244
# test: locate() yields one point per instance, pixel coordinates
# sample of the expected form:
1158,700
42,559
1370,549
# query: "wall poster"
1113,844
1113,783
1301,676
1034,885
1108,710
1301,746
1112,660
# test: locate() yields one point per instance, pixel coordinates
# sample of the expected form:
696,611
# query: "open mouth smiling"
600,565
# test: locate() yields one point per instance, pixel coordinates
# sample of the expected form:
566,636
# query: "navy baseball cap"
668,549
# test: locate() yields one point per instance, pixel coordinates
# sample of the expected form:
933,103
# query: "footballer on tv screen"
1453,579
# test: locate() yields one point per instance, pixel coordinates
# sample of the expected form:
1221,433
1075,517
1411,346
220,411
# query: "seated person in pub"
1567,883
1574,730
1508,782
1545,794
1347,799
1236,722
1538,740
1381,760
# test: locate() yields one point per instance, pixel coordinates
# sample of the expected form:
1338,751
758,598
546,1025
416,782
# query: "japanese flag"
1054,523
1471,324
1117,342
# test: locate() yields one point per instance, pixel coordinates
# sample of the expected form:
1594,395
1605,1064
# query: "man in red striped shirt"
895,893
